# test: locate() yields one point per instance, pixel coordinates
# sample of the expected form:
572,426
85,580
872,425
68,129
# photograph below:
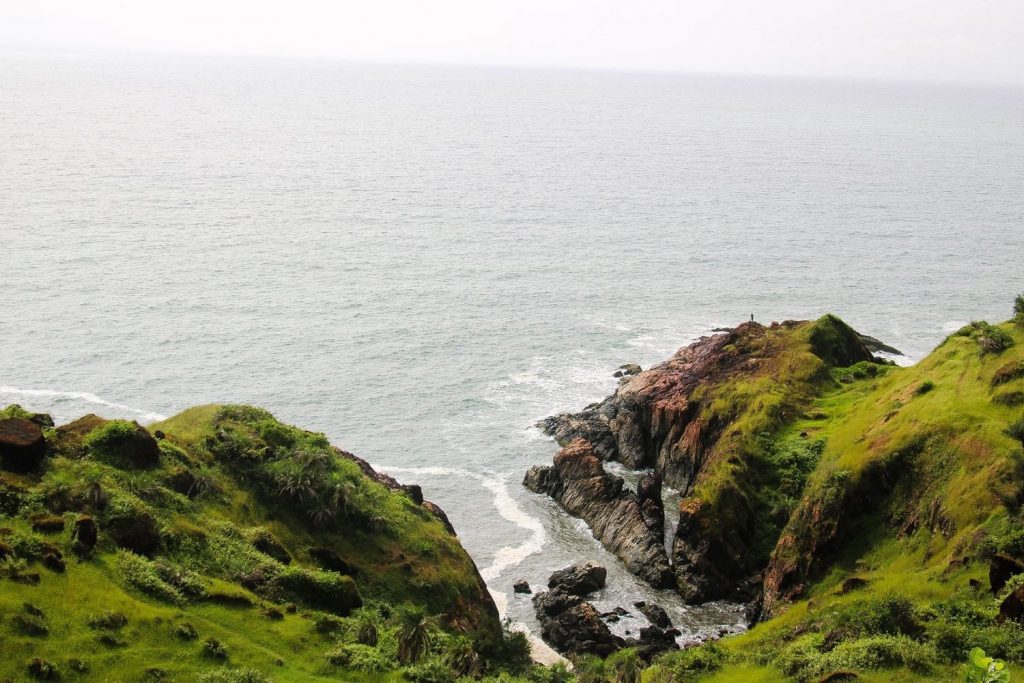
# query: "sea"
422,261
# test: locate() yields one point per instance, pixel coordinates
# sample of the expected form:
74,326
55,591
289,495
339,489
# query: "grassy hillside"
230,547
916,476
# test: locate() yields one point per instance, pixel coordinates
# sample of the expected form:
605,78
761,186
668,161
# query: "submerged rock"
521,587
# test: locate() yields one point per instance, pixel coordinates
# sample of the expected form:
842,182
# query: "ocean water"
423,261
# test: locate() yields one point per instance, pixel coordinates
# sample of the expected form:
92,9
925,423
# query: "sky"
934,40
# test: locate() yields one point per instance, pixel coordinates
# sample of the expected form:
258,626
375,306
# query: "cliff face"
699,421
220,523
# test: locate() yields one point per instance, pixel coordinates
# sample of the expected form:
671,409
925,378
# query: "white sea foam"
57,397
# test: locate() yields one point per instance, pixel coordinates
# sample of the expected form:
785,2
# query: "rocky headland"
821,485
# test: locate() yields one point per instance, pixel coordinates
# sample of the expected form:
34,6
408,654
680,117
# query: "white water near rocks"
422,262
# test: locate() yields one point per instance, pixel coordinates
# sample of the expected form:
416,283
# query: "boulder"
572,626
630,369
84,536
22,446
129,446
579,580
67,439
415,493
1012,607
1001,568
521,587
655,614
653,641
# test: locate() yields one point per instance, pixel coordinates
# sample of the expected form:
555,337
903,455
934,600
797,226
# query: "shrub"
43,670
924,387
30,625
234,676
505,649
556,673
414,636
990,338
688,663
107,620
329,591
214,648
186,631
122,444
462,659
142,574
358,657
1018,308
432,671
877,652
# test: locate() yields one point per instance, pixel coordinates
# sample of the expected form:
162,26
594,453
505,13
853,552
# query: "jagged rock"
22,446
554,602
572,626
648,493
655,614
578,482
415,493
875,346
578,580
654,641
630,369
521,587
660,419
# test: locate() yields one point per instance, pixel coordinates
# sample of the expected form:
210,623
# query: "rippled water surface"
421,262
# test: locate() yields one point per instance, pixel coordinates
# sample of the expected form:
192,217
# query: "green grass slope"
886,569
231,547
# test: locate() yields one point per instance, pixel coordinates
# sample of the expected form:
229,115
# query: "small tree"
1018,308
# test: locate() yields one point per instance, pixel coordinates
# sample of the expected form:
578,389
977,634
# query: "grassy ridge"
232,548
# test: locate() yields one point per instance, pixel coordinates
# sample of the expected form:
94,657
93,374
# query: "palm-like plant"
413,636
367,630
627,667
462,659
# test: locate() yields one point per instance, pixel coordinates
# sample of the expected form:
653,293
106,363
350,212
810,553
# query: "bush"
358,657
878,652
1018,308
143,575
924,387
215,649
688,663
431,671
893,614
328,591
234,676
990,338
107,620
503,649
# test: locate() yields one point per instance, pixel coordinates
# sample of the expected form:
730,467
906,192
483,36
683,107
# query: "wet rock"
572,626
579,579
654,613
22,446
521,587
630,369
654,641
553,602
579,483
84,536
648,493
